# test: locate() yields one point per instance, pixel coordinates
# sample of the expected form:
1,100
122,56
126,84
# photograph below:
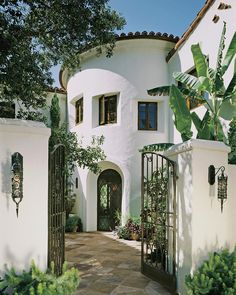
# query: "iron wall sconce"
222,182
17,179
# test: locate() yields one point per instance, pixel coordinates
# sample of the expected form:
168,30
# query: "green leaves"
204,126
229,55
227,110
187,79
36,282
162,90
181,112
232,142
55,112
215,276
231,89
199,60
35,35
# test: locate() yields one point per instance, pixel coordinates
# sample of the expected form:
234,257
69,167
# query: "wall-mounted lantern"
17,179
222,182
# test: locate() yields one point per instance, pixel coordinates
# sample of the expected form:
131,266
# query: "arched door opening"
109,199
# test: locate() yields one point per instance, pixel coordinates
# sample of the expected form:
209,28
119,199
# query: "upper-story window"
79,110
147,116
107,109
7,110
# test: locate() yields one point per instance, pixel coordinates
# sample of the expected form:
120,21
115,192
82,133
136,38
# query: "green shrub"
123,233
80,225
232,141
72,223
132,226
35,282
216,276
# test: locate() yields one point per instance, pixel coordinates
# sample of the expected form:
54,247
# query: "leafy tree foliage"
35,35
55,112
76,152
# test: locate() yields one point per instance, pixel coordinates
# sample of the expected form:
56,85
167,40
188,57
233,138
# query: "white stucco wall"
208,34
201,227
24,238
135,65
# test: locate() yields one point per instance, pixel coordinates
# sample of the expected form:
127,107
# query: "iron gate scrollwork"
56,208
159,219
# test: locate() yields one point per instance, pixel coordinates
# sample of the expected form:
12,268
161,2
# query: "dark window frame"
147,128
108,109
79,111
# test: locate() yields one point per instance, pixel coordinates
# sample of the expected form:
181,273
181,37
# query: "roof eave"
191,28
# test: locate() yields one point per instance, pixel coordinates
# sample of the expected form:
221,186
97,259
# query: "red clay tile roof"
147,35
56,90
191,28
137,35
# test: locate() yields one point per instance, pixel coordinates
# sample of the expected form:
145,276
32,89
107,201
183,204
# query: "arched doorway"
109,199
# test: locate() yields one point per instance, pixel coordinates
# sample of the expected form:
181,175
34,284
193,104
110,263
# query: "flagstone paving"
108,265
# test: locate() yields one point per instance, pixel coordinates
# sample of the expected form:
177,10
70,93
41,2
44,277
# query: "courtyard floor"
108,265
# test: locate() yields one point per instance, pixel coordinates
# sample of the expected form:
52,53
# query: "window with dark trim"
107,109
147,116
79,111
7,110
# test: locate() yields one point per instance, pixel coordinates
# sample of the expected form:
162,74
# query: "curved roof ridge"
148,35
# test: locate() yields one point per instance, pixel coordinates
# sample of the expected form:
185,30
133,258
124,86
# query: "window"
7,110
107,109
147,116
79,111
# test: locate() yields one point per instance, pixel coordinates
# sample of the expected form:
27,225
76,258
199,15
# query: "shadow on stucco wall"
184,217
16,260
6,178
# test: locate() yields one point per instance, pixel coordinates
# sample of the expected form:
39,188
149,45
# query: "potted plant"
72,223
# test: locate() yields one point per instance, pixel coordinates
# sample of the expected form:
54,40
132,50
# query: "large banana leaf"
220,51
205,84
187,79
204,126
161,90
227,110
181,112
218,80
229,55
211,73
199,60
231,89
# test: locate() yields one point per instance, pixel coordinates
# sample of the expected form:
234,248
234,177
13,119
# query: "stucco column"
26,237
201,227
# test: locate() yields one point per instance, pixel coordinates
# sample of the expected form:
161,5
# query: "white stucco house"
108,96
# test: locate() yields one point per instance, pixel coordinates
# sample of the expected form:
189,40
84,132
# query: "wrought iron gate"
159,219
56,208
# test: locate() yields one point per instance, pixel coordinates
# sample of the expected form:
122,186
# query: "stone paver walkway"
108,265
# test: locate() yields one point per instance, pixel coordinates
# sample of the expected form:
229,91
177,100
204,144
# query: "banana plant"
208,87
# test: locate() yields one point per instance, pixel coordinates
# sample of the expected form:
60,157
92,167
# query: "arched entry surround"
90,208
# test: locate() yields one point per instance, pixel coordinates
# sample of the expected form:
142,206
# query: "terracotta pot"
135,236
